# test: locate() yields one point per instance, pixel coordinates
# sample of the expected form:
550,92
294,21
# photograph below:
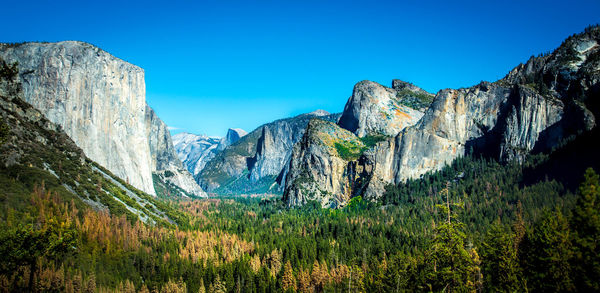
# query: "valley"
489,188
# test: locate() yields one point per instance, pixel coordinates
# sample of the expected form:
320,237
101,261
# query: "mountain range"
385,135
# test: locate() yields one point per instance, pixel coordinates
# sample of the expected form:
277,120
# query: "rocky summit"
100,102
536,107
374,108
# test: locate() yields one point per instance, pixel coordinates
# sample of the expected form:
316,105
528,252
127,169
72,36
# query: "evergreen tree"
586,234
288,282
502,270
449,264
547,253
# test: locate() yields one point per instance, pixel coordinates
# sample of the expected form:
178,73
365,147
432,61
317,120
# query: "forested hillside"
69,225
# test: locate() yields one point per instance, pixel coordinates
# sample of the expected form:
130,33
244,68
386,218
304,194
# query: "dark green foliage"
586,234
502,270
415,100
351,151
489,190
449,265
546,253
8,71
24,245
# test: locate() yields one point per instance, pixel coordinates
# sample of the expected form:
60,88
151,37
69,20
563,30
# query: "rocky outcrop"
376,109
195,151
36,154
334,163
320,171
98,99
165,163
232,136
254,164
534,108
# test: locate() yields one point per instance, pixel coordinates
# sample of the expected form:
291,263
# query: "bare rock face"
375,109
232,136
257,162
320,172
534,108
195,151
99,100
165,163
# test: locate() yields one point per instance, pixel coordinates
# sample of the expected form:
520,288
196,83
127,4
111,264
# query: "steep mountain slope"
254,163
328,164
535,107
167,168
99,100
36,153
232,136
195,150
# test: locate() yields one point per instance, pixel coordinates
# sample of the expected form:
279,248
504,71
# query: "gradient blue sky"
211,65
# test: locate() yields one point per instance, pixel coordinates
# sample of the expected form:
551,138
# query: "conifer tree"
586,234
449,264
547,253
288,282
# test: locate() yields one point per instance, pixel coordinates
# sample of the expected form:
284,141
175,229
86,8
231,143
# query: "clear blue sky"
211,65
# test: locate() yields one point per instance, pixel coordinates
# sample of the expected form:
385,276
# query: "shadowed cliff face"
165,163
99,100
535,107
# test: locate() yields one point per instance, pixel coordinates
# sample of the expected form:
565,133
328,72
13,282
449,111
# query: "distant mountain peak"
319,112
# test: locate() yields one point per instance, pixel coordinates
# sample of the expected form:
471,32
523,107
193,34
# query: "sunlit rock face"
534,108
374,108
195,151
98,99
258,161
165,162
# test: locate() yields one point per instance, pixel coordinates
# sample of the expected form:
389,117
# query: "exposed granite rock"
36,153
255,163
195,150
99,100
319,173
165,163
375,109
232,136
534,108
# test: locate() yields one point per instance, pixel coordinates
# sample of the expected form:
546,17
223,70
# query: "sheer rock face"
376,109
195,150
98,99
232,136
165,162
319,173
535,107
259,158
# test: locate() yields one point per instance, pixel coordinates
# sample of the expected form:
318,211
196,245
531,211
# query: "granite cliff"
329,164
197,150
166,166
99,100
257,162
534,108
36,155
